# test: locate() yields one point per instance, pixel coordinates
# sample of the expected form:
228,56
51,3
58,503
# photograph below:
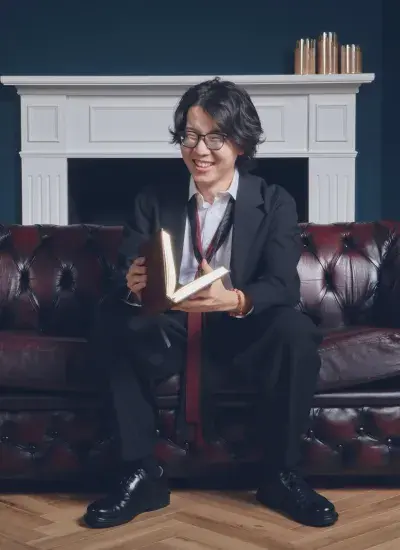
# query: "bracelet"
239,311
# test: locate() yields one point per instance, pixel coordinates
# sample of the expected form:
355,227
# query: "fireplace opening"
102,191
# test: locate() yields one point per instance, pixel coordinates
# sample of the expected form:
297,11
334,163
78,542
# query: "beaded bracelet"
239,311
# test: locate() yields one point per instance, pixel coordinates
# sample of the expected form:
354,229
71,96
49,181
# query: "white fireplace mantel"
66,117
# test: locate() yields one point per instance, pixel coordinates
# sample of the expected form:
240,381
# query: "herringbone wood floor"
202,520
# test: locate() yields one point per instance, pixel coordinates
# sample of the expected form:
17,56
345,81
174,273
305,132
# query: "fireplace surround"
65,117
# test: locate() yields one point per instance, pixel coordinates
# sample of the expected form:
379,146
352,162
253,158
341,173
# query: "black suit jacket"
266,243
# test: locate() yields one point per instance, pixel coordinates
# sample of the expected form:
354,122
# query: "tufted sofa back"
52,277
350,274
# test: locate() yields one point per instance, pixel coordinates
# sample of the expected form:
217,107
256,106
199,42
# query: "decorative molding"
176,154
331,123
46,117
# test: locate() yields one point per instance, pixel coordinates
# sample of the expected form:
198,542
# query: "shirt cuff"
244,316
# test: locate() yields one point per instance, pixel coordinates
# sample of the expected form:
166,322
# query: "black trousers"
278,349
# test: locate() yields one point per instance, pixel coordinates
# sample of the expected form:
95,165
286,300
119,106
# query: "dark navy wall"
390,113
154,37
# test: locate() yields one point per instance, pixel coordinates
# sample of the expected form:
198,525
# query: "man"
225,216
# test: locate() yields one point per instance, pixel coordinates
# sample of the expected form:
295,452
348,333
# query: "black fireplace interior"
102,191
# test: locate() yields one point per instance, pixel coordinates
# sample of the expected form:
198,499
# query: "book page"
169,264
198,284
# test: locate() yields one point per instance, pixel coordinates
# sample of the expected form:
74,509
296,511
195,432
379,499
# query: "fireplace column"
331,189
44,190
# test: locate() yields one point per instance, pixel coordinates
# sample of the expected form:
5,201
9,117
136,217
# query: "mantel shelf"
256,84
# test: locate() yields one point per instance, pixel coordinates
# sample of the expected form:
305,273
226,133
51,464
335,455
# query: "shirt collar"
232,190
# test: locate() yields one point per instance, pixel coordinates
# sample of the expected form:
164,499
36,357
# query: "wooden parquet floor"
202,520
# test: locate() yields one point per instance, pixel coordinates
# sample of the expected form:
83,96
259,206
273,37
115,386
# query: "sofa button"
4,439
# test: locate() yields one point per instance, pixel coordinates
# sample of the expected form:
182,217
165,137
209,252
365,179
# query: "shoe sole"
96,523
327,521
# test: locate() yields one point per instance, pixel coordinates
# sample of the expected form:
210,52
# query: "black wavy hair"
230,106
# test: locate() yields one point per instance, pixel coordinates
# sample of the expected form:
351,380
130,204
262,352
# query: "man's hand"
136,278
214,298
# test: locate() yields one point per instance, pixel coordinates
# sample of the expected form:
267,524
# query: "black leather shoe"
136,493
288,493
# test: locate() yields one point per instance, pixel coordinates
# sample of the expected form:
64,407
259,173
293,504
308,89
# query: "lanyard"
220,235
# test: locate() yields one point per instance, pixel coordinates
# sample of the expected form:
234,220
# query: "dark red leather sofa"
56,420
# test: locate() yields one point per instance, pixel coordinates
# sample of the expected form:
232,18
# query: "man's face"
207,166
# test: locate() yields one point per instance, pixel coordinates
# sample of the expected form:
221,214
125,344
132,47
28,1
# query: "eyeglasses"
213,140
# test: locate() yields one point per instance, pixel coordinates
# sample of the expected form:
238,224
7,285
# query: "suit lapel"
172,217
250,211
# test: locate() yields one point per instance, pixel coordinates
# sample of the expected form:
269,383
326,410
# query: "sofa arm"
386,309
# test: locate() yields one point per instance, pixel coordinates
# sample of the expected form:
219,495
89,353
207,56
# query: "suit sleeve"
136,231
279,282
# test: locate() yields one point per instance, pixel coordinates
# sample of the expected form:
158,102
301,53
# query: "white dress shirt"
210,216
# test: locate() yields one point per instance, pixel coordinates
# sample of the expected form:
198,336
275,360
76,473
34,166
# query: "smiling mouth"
203,164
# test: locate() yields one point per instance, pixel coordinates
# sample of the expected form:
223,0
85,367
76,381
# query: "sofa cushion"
350,357
357,355
30,361
35,362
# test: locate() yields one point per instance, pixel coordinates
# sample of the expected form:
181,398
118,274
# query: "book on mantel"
162,291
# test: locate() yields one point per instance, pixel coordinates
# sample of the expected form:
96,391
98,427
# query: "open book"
162,291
